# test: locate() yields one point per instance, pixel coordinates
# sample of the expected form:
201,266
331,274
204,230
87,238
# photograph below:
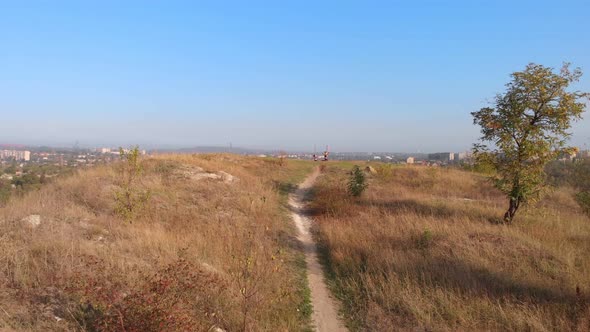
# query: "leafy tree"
10,169
27,182
357,182
528,127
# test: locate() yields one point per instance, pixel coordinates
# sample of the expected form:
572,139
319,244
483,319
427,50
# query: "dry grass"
200,254
422,250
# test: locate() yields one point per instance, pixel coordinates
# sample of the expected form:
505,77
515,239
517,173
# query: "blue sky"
358,75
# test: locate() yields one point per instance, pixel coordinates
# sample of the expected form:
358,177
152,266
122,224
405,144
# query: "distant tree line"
575,174
33,178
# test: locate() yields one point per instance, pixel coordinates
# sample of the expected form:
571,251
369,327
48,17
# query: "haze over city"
378,76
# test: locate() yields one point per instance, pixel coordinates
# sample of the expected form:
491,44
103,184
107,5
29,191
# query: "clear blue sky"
358,75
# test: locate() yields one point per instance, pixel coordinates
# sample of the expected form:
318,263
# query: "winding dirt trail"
325,312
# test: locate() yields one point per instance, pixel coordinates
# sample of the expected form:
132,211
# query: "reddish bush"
180,297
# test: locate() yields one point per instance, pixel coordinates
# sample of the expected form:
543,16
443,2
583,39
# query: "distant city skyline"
370,76
236,149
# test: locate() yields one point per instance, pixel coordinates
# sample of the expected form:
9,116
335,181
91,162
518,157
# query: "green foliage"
581,175
583,199
357,182
425,240
10,169
5,191
165,168
575,174
528,127
581,181
480,166
130,199
560,173
26,182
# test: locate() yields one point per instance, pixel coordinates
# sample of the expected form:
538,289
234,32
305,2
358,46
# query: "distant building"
15,154
442,156
464,155
104,150
410,160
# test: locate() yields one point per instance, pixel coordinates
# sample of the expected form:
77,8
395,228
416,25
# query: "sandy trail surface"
325,309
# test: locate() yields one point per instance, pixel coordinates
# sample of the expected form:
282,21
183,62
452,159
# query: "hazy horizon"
358,77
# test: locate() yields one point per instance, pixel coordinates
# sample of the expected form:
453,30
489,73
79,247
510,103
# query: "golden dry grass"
200,254
422,250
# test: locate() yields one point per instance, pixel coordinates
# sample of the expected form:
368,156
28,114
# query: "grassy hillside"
421,250
205,250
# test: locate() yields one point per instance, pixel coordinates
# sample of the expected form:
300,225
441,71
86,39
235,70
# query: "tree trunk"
509,215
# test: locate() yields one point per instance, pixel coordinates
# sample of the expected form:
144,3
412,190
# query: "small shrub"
425,240
583,199
165,168
357,182
129,199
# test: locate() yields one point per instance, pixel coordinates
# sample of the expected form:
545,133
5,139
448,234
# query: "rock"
209,268
201,176
197,173
34,220
370,169
84,224
226,177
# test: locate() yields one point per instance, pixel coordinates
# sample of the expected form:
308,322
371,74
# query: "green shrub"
425,240
583,199
357,182
129,198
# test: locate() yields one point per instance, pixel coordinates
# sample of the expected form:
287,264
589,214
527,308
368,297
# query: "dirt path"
325,312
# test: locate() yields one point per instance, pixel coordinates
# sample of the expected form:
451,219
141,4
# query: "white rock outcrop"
197,173
34,220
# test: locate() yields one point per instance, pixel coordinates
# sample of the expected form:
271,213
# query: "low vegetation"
574,174
16,181
357,182
211,248
130,199
424,249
